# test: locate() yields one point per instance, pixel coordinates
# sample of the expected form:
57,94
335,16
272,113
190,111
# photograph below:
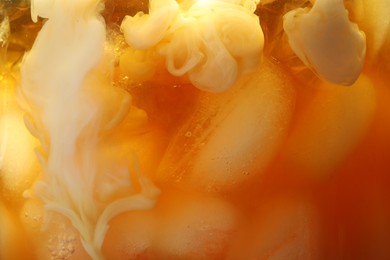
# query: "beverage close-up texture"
195,129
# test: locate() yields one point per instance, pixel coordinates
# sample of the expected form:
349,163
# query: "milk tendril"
69,101
67,91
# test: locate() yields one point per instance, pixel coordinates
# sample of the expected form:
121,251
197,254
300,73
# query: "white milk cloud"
326,41
210,41
66,85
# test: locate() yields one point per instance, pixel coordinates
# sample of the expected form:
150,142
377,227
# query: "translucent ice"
232,136
331,126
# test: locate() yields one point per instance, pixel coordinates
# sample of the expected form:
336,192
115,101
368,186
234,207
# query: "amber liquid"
341,214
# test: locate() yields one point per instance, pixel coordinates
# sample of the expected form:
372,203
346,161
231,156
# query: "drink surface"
282,165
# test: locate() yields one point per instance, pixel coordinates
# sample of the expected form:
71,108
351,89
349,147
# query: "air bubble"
62,246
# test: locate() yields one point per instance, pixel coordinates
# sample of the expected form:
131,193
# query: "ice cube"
374,20
231,136
31,216
18,164
332,125
279,229
13,244
194,226
130,235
